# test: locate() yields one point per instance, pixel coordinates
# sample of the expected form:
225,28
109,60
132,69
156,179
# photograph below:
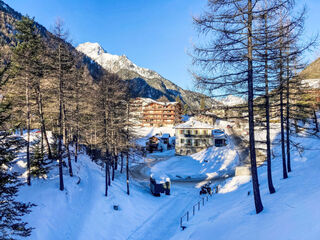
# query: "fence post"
187,216
207,198
202,201
199,206
193,210
181,222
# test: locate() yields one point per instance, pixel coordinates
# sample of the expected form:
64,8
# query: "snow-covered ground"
291,213
83,212
209,163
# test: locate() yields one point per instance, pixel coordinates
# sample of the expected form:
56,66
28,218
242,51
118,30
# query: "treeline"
255,50
46,86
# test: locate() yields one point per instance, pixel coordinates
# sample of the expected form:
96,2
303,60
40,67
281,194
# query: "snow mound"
113,63
207,164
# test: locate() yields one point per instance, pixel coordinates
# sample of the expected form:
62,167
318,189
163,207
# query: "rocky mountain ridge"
145,82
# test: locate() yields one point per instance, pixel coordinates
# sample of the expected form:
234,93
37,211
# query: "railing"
195,208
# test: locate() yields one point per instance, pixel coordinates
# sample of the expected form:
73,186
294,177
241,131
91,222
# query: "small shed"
159,183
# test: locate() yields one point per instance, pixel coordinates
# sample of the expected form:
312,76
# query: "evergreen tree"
11,210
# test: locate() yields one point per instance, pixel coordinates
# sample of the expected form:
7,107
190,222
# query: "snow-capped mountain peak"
113,63
232,100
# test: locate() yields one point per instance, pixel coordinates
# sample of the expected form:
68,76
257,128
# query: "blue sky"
155,34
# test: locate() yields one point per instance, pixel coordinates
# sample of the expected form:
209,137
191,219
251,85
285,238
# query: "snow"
232,100
113,63
312,83
83,212
210,163
291,213
192,123
143,133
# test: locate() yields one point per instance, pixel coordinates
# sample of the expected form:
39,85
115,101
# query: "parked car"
159,184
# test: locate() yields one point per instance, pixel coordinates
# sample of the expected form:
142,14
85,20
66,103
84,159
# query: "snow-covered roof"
160,177
217,133
192,123
165,135
147,101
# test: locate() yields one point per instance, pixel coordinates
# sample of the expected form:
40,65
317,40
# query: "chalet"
154,143
193,136
159,114
147,112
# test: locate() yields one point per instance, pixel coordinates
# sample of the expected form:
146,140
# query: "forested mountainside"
144,82
312,71
7,25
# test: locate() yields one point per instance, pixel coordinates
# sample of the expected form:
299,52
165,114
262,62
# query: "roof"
192,123
165,135
147,101
217,133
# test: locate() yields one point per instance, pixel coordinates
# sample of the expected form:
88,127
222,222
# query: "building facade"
150,113
193,136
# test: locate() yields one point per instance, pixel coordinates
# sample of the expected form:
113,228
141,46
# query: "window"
205,132
196,143
189,143
196,132
182,141
181,131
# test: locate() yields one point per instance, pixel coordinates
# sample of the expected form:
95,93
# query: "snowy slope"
291,213
83,212
207,164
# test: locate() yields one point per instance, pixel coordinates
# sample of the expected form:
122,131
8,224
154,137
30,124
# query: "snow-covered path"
164,222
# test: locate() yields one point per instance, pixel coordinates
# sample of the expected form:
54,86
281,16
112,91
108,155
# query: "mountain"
144,82
312,71
232,100
311,74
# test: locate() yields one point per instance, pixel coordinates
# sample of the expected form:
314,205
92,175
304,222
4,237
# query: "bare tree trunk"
42,121
316,121
127,172
76,149
106,180
284,165
41,143
267,105
288,117
121,156
66,140
28,130
69,159
113,166
255,181
109,178
60,123
127,163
